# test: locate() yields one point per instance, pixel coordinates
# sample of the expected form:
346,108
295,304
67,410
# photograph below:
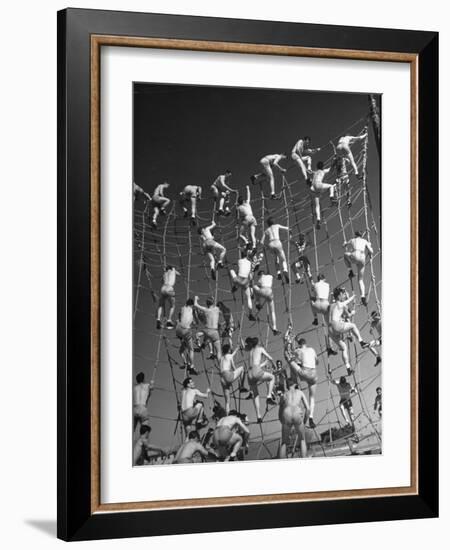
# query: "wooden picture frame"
81,35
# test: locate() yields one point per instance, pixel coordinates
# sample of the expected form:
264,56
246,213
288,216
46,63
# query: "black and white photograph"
257,274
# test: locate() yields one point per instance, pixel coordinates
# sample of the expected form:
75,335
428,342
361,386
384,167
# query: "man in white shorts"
229,373
229,436
221,191
318,187
356,254
242,280
338,329
375,330
293,413
272,235
183,332
343,148
346,391
141,395
211,248
193,411
159,201
263,293
167,295
301,155
256,374
190,195
267,163
211,330
320,299
247,220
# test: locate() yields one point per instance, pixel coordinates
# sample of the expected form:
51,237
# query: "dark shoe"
213,274
318,225
185,215
162,212
315,322
153,225
270,400
233,288
273,197
251,317
378,361
259,307
259,420
220,212
331,351
243,389
312,424
212,356
202,424
350,372
351,274
249,396
219,265
227,211
158,324
363,344
193,221
169,325
279,275
286,277
276,332
193,371
364,301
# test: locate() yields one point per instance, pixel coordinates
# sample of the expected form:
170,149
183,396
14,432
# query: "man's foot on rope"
249,396
219,265
333,202
363,344
350,371
212,356
230,458
351,274
298,279
170,325
315,322
233,288
158,324
193,371
259,307
153,225
259,420
364,301
378,361
243,389
251,317
227,211
286,277
331,351
270,400
193,220
220,212
213,274
312,424
202,424
318,225
253,179
349,204
276,332
162,212
185,215
279,275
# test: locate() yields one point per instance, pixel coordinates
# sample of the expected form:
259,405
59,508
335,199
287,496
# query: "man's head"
261,272
189,302
187,382
342,380
240,199
269,221
301,239
321,277
339,293
140,377
166,184
279,364
226,348
319,165
378,391
233,412
307,140
251,342
168,267
300,341
227,173
194,435
209,301
145,429
358,234
199,230
375,316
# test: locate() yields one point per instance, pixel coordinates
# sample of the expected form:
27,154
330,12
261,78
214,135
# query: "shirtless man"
343,148
211,330
257,374
267,163
302,265
186,453
221,190
242,280
375,330
303,361
159,202
346,390
264,295
272,234
141,395
340,165
167,294
293,413
191,194
211,247
338,328
229,373
377,406
228,326
318,187
184,333
142,447
301,155
356,254
192,411
227,436
247,220
320,299
139,192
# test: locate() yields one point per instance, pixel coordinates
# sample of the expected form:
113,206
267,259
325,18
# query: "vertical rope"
141,262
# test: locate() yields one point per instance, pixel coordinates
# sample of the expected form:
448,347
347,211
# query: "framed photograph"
242,206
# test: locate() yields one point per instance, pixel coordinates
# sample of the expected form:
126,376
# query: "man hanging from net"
229,373
192,410
355,253
159,202
221,191
274,244
241,279
338,328
139,192
210,332
267,163
293,414
340,165
343,148
318,187
141,394
263,292
303,361
247,221
375,330
183,332
302,265
192,450
301,155
346,391
190,196
167,296
229,436
211,248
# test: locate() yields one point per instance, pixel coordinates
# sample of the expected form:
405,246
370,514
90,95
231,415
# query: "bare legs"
266,377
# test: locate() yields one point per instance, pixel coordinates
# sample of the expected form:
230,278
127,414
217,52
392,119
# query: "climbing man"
228,325
293,413
318,187
303,361
375,330
193,411
267,163
320,299
211,248
142,447
167,294
190,195
340,165
159,202
183,332
211,331
346,390
242,280
272,234
190,450
247,221
263,293
221,191
377,406
139,192
229,373
356,254
256,374
343,148
229,436
338,328
301,155
301,266
141,394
